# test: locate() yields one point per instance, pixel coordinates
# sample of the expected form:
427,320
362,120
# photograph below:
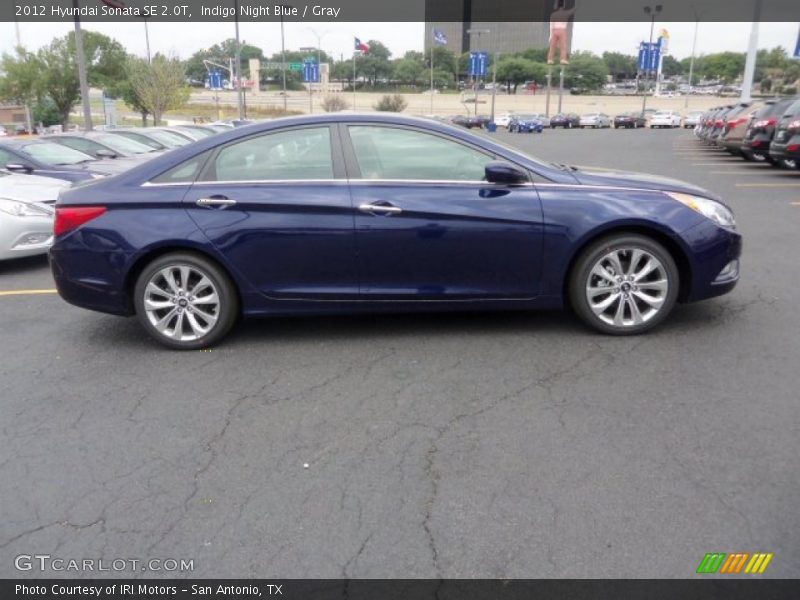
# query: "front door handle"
383,209
215,201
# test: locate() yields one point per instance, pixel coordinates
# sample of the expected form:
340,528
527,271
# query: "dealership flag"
797,47
439,38
361,47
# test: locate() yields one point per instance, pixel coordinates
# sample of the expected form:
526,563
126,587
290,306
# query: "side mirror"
103,153
499,171
18,168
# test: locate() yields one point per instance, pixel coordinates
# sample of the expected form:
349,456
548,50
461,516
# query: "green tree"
586,71
375,64
514,70
620,66
160,85
409,70
58,76
19,78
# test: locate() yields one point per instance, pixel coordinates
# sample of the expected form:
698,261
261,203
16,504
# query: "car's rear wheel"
624,284
185,301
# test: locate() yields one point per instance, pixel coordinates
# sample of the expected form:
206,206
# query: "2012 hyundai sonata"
346,213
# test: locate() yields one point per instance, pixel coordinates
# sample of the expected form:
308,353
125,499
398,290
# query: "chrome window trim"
247,181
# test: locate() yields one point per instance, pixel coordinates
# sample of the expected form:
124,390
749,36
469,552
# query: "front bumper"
24,236
713,250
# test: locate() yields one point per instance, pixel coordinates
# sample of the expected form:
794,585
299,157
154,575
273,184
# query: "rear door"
277,205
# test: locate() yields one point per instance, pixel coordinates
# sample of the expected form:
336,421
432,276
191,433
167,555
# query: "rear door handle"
383,209
215,201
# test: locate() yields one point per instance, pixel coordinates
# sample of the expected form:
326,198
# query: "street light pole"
28,122
82,79
283,61
239,100
691,62
652,11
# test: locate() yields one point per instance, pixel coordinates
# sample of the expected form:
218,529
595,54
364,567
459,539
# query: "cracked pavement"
495,445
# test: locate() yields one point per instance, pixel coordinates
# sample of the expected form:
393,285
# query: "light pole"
81,60
28,122
691,62
239,100
283,57
477,32
652,11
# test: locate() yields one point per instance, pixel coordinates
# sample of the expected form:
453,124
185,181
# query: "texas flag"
361,47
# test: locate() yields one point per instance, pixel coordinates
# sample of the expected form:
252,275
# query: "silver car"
596,120
27,207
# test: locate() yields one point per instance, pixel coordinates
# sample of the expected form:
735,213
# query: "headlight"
23,209
708,208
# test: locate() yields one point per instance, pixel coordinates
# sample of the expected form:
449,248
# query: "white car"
665,118
503,119
692,120
27,209
596,120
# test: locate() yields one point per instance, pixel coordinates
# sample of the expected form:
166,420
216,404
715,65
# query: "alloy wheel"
181,302
627,287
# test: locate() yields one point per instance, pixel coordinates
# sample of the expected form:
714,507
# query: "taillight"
794,125
792,148
764,123
70,217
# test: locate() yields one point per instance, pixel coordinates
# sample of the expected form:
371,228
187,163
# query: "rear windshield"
793,109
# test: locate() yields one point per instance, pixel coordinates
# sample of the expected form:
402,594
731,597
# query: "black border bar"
510,11
711,588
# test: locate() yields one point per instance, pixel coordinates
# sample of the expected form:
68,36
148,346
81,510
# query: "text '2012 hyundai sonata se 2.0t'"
346,213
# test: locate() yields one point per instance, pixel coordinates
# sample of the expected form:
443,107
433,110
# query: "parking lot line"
27,292
768,185
733,172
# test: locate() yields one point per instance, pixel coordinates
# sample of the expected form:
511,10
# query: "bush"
46,113
395,103
333,104
788,90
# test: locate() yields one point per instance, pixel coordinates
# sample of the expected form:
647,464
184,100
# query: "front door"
429,228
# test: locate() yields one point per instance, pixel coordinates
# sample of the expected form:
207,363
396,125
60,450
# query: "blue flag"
439,38
797,48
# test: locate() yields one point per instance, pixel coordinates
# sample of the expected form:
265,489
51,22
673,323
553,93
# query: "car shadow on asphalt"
16,266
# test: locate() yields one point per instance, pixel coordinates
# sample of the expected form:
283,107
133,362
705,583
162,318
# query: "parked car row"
761,130
34,170
526,123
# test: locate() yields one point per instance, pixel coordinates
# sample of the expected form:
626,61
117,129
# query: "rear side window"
186,172
297,154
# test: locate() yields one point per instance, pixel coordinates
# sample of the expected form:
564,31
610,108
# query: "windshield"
124,145
196,131
55,154
173,140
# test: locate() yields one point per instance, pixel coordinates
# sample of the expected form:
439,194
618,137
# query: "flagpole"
433,43
354,80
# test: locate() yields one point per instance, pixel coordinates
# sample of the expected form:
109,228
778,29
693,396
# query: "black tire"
226,313
581,273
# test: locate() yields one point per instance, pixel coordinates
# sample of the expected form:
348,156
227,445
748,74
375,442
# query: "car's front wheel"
185,301
624,284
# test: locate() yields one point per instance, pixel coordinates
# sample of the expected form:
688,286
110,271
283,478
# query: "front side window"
301,154
393,153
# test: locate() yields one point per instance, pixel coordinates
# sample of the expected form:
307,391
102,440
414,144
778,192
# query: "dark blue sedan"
348,213
525,124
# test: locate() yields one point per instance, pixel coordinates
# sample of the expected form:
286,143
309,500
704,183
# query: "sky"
183,39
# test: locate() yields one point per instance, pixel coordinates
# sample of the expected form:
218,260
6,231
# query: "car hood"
611,177
31,188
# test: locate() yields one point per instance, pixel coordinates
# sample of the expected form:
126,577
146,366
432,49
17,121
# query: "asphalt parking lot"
464,445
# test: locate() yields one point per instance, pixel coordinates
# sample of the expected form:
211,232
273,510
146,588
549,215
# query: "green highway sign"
295,66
